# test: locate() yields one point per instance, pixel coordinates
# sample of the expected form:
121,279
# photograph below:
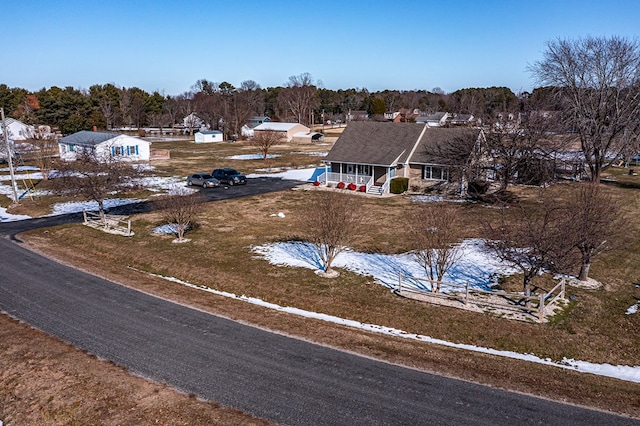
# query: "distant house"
437,119
371,154
403,115
16,130
287,130
192,122
256,121
104,145
246,131
357,116
462,120
207,136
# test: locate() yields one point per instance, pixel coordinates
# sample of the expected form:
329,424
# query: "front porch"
375,179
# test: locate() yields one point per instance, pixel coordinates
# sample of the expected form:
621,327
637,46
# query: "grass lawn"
594,327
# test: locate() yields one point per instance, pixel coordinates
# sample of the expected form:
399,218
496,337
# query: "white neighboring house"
104,145
287,130
16,130
206,136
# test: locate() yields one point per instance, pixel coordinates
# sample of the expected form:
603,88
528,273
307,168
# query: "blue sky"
167,46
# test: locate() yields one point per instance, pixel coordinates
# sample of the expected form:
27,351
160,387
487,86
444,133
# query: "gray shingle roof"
88,138
375,143
445,138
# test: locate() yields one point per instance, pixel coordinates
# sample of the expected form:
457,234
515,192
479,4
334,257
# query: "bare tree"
299,97
596,224
331,221
265,139
523,146
180,208
435,232
94,177
461,151
598,81
42,149
532,242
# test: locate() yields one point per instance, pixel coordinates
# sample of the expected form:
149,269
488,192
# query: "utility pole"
9,157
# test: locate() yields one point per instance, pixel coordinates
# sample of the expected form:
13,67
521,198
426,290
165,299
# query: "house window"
364,170
71,148
435,173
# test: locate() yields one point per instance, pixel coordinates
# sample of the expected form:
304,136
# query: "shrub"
340,185
352,186
363,188
316,183
399,185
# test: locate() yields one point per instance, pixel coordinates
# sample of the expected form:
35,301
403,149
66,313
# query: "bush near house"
352,186
399,185
340,185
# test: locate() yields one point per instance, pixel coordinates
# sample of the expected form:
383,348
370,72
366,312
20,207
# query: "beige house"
287,130
371,154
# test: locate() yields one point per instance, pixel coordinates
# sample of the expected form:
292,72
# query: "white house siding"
123,147
207,137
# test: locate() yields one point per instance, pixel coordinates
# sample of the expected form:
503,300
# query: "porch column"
326,173
341,164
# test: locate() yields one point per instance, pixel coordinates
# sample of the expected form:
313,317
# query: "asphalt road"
272,376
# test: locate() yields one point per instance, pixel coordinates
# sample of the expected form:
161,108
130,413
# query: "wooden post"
84,214
541,308
399,282
466,292
129,227
562,288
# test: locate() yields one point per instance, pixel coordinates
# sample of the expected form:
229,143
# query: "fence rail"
540,304
112,224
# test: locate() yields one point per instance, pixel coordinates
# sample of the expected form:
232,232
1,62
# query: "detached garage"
207,136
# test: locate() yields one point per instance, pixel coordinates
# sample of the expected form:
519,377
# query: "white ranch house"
104,145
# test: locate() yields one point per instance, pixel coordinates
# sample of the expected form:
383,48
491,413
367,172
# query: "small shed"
206,136
308,137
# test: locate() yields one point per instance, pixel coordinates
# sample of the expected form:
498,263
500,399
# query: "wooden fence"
112,224
539,303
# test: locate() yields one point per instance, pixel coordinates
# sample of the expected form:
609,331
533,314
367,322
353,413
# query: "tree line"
224,107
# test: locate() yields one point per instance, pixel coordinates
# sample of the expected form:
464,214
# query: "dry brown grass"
47,382
594,328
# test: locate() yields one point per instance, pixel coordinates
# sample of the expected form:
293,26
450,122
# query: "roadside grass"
219,256
594,327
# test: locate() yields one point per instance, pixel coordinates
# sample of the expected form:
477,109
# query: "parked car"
204,180
229,176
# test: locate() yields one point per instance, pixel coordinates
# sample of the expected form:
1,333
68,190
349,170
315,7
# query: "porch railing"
332,177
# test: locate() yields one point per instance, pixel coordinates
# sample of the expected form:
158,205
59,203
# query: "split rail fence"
109,223
540,304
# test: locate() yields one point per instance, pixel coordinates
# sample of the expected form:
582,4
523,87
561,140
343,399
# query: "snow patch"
8,217
251,156
632,309
476,266
78,206
302,175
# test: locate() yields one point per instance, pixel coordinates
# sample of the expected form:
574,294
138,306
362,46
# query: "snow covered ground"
476,266
251,156
302,175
